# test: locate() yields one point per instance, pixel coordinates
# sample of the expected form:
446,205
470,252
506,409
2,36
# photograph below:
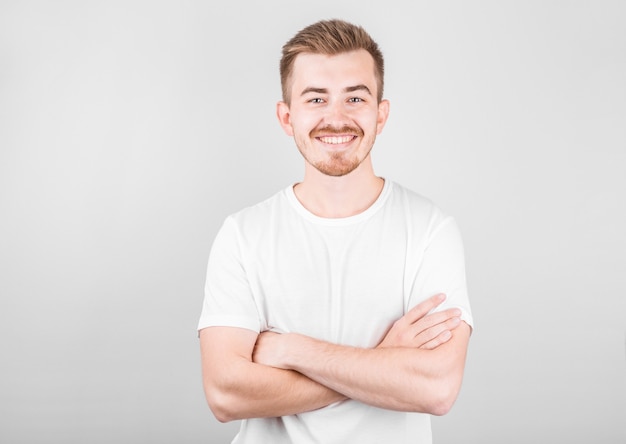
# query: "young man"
336,311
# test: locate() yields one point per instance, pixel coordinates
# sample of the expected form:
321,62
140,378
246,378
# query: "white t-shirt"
276,266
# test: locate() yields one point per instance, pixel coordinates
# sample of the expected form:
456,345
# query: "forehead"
340,70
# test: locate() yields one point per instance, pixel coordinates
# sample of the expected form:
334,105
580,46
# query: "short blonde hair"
329,37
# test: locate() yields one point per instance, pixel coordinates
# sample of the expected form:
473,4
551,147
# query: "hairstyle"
329,37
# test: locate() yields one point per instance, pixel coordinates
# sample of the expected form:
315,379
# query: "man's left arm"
395,378
397,374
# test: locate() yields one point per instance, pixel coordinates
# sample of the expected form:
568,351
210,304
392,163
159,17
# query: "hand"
419,329
269,348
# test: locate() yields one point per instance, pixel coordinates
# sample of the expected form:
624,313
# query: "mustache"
331,130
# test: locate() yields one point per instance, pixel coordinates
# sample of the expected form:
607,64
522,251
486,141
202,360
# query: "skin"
324,111
401,373
240,380
335,96
334,118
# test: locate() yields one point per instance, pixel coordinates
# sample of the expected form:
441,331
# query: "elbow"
443,397
221,413
222,399
435,394
436,400
222,395
223,416
441,406
220,406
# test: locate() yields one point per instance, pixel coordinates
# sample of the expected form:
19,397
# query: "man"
335,311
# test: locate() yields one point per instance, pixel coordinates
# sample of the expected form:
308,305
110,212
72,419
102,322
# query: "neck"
344,196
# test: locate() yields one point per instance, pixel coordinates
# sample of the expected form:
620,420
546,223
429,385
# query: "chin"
336,170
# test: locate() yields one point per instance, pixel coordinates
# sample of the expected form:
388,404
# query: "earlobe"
284,117
383,114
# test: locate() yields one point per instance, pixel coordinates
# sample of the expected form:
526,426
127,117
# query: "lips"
337,136
336,140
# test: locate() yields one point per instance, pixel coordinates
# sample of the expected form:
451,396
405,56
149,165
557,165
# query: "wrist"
298,351
291,347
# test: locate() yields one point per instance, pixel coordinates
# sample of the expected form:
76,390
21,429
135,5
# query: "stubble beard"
338,164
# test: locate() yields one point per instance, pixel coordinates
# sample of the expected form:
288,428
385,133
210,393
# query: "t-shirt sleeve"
228,299
442,270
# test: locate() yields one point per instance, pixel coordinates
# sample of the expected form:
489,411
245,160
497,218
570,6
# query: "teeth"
335,140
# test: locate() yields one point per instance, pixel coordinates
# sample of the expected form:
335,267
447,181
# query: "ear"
383,114
284,117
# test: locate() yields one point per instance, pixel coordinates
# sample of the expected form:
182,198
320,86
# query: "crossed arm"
418,366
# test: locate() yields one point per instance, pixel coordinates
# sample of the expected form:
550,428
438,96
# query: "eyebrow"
348,89
358,88
311,89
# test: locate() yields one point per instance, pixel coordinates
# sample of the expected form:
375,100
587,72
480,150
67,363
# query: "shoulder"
258,218
424,220
415,205
411,197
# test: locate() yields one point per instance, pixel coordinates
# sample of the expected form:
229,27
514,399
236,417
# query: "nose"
337,113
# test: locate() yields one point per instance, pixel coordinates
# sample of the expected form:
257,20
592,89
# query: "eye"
355,100
316,100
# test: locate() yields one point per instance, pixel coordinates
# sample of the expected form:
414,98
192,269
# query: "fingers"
441,339
268,349
422,329
422,309
436,318
438,334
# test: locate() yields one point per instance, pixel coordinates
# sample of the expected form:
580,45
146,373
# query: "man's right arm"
237,388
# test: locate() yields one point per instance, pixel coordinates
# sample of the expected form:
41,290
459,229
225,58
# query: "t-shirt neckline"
339,221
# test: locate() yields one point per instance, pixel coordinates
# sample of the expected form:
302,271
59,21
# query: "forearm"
397,378
237,388
256,391
377,377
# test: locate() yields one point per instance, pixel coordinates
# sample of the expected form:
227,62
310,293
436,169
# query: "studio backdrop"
130,130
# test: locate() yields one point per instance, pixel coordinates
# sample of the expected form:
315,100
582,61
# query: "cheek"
368,118
304,125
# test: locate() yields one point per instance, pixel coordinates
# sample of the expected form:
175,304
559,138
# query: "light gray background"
129,130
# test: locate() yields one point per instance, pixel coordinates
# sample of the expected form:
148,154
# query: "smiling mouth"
336,140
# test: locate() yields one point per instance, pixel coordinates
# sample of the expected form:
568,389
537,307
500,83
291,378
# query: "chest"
341,285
